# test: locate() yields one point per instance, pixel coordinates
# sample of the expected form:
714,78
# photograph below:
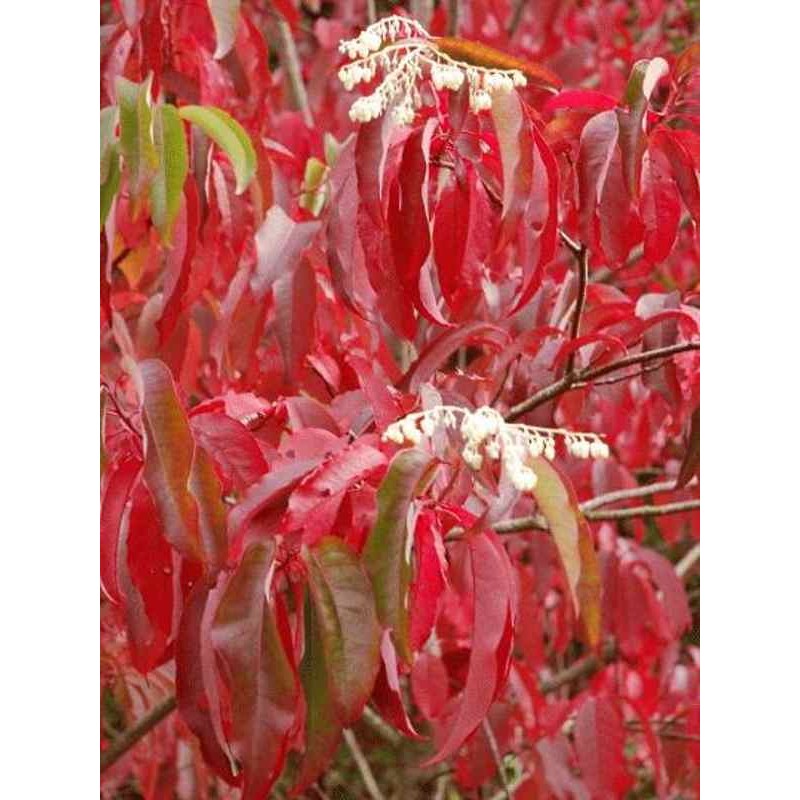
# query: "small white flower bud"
536,447
493,449
550,450
410,431
519,79
428,425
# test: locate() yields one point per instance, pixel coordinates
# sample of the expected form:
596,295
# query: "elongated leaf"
108,139
683,169
262,682
660,206
323,726
225,16
388,697
371,147
196,679
169,451
492,630
598,143
515,139
228,134
557,502
136,139
599,742
344,608
295,308
117,488
691,461
109,188
167,187
387,551
429,580
450,234
280,243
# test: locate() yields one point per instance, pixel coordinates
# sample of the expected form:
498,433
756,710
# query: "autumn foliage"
278,286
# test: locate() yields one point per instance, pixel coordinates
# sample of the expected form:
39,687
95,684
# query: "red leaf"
429,579
408,220
233,448
429,685
691,461
119,481
660,206
451,224
371,149
597,146
579,99
261,679
331,480
493,621
599,742
295,296
280,243
387,695
683,169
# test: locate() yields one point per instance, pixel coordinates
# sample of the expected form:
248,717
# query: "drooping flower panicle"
486,434
403,51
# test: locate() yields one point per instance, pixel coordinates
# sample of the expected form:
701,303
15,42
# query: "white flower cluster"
487,435
401,48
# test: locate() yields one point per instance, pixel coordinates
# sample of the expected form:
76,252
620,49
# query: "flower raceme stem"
402,50
486,434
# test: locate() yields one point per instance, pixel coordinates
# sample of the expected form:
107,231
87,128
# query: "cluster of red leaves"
274,294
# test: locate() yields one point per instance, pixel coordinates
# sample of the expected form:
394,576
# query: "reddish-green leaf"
169,451
136,133
262,681
557,502
388,549
344,609
166,189
515,139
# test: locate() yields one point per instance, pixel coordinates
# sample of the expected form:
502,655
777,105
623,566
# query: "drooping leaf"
492,628
597,146
295,306
557,502
683,169
429,685
262,682
136,144
388,697
166,189
429,579
119,482
660,206
387,551
280,243
225,16
599,742
515,139
196,680
169,451
229,135
344,609
451,224
109,188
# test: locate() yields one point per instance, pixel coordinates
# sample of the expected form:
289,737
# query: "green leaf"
387,551
108,190
167,187
225,16
313,198
344,606
228,134
573,539
136,141
108,139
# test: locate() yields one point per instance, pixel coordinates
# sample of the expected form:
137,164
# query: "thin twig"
582,259
565,383
126,740
627,494
291,63
642,511
498,759
683,567
372,14
362,764
580,669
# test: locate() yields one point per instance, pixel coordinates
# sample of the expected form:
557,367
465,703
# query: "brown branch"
291,63
452,17
126,740
685,565
580,669
362,764
498,759
627,494
582,259
642,511
565,383
516,17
